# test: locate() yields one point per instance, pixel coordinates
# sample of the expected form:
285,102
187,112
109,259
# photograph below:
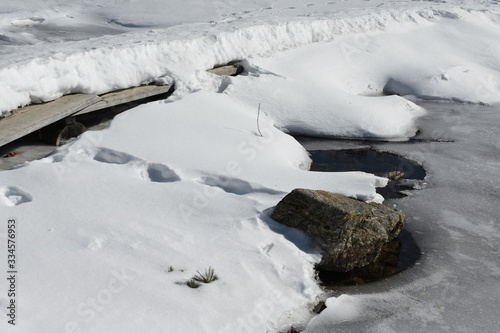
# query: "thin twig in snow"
258,126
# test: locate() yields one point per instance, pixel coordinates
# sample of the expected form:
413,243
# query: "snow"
186,184
112,225
338,310
303,99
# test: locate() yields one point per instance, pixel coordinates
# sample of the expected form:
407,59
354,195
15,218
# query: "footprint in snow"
14,196
111,156
160,173
266,249
236,185
154,172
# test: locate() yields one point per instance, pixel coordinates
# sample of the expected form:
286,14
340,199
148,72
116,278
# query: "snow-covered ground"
112,225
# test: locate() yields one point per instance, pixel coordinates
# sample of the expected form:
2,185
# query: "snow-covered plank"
31,118
125,96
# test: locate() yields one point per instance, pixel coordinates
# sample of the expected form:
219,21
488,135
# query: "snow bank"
330,87
137,62
132,60
337,88
300,102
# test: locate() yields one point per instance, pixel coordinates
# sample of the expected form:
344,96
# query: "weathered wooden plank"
34,117
125,96
31,118
228,70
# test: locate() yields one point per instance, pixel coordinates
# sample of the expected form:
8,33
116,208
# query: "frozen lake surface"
454,220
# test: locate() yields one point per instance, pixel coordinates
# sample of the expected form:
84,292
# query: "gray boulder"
350,232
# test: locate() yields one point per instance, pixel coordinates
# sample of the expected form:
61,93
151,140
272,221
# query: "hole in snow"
403,173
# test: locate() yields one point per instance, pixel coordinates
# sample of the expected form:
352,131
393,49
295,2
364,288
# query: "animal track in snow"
14,196
154,172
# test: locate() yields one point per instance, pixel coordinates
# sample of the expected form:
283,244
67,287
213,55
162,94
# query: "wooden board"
26,120
31,118
125,96
228,70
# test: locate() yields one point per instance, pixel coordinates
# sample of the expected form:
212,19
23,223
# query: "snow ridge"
114,67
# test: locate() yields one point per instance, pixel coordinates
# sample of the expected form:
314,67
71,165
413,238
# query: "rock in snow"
351,232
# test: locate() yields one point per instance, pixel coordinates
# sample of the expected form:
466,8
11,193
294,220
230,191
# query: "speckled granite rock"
351,232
